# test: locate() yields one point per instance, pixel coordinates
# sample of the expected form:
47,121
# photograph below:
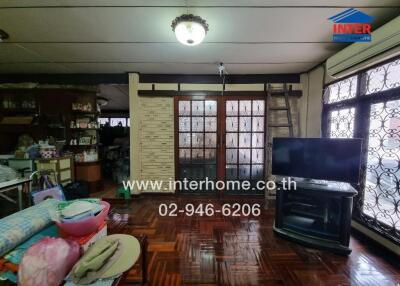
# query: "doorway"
220,139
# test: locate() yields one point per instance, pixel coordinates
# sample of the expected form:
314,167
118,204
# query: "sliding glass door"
197,141
221,139
244,141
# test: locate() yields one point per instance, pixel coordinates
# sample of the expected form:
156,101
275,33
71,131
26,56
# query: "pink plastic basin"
85,226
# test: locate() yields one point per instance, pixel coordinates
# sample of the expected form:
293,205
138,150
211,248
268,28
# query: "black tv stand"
315,182
315,214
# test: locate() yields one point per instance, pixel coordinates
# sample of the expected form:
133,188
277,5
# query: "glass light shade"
190,33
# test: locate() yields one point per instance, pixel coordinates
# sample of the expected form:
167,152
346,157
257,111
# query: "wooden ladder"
286,93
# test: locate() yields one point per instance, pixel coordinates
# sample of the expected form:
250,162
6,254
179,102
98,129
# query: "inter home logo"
351,25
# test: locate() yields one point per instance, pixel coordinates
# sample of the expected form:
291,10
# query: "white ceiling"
105,36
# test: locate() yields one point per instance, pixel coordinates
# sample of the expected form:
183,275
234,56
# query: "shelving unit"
81,145
14,106
85,170
83,129
63,168
83,125
14,111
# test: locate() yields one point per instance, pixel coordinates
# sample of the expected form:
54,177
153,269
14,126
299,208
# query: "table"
143,261
24,167
12,185
121,206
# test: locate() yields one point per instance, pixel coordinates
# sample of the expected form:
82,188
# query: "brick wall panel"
157,140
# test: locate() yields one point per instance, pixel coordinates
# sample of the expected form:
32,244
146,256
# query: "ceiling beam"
214,78
122,78
297,93
329,6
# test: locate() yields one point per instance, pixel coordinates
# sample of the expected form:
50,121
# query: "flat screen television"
317,158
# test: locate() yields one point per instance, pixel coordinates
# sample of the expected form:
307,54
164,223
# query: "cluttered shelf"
84,129
67,122
80,145
78,112
13,111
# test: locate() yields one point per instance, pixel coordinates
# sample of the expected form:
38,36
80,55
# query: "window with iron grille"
367,106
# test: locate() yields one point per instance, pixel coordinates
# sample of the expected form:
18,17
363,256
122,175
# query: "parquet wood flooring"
239,251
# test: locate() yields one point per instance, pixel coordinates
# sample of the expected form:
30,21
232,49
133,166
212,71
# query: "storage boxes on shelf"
82,107
87,156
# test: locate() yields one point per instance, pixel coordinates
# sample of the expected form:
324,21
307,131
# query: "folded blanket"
18,227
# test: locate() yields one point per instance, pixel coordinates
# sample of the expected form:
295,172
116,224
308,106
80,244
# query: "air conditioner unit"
385,43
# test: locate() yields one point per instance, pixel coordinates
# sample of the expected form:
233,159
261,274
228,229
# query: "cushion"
18,227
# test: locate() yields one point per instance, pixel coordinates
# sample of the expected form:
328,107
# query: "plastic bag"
47,262
51,193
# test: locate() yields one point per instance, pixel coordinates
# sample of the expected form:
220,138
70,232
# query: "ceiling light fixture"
189,29
3,35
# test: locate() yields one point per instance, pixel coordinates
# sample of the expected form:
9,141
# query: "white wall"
310,103
134,115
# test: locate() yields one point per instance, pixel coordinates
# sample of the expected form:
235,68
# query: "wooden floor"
240,251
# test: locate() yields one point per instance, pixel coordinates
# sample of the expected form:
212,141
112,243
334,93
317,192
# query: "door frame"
221,128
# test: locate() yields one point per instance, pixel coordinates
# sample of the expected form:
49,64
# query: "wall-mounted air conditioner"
385,43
